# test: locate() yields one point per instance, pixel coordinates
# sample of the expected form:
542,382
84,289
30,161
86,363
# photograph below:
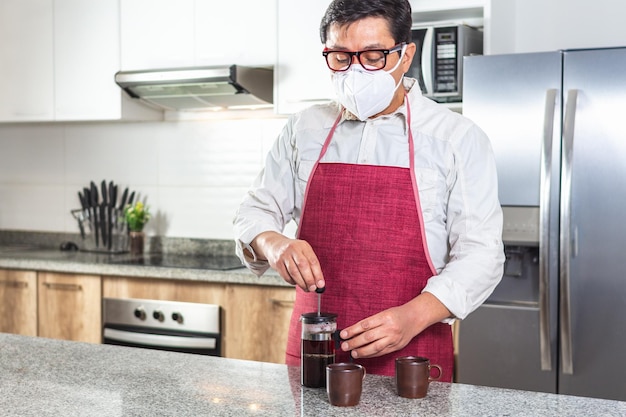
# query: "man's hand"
293,259
392,329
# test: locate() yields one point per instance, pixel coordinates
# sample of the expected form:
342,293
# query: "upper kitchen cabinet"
539,25
301,75
242,33
158,34
26,54
86,57
59,59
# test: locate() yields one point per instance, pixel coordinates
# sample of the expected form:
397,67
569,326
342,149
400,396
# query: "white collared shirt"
456,180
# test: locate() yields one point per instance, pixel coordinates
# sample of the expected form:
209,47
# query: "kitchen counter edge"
83,263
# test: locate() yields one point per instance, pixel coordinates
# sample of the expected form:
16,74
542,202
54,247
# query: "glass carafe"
317,347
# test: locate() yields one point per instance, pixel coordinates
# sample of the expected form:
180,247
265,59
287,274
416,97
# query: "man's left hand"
392,329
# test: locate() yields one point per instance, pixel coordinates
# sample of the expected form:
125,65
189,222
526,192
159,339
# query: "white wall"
519,26
192,174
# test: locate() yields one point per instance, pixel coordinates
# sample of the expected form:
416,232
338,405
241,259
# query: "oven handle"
148,339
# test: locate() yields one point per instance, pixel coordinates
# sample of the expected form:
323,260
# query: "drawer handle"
281,303
63,287
14,284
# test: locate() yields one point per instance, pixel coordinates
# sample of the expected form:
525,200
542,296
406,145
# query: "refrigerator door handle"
567,360
544,231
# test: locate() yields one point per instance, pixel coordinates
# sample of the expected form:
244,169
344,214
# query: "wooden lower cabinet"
255,318
18,302
70,307
258,321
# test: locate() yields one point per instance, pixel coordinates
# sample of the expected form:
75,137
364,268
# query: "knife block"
108,237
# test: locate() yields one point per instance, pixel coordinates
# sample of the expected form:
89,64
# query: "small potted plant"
136,216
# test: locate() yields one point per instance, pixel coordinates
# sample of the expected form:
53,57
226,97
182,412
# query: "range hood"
201,88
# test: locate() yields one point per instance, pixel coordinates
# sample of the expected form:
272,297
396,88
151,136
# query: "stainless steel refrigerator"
557,123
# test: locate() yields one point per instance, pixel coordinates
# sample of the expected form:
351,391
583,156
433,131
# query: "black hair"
396,12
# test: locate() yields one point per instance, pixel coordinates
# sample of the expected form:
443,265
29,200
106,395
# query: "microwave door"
427,61
421,68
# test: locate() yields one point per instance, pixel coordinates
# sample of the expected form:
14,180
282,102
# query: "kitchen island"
61,378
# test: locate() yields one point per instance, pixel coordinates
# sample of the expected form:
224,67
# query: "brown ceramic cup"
413,374
344,383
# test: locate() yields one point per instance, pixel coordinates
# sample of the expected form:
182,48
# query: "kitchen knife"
112,194
87,196
112,202
122,208
103,213
130,199
94,208
83,206
123,200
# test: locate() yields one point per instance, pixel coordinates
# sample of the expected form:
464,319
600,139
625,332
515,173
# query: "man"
395,198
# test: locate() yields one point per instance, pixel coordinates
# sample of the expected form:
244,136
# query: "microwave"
438,61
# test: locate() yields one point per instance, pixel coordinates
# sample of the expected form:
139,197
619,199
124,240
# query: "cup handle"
364,372
430,377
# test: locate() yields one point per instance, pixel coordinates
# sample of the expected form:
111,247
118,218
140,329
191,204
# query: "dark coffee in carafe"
317,347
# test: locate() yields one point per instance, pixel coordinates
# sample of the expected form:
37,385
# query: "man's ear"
409,53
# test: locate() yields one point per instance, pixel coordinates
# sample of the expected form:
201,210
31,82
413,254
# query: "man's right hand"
293,259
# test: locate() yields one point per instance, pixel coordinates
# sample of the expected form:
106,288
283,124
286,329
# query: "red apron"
364,223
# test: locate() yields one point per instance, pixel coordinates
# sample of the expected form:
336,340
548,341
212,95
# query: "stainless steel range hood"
201,88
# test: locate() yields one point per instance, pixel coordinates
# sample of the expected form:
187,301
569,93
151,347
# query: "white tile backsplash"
126,153
32,157
223,157
193,174
32,207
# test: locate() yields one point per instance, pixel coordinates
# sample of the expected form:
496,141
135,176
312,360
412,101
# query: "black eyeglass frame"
385,52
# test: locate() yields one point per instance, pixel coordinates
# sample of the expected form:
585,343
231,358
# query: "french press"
317,347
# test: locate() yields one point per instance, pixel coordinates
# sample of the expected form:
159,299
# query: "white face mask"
366,93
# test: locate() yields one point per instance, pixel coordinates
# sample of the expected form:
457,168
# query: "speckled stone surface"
59,378
40,252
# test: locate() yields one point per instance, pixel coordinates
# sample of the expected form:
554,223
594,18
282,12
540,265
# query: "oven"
163,325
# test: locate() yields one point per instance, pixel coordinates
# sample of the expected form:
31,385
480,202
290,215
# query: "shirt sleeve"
269,203
474,228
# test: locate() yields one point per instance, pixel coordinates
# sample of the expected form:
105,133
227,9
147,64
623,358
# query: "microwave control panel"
446,68
452,43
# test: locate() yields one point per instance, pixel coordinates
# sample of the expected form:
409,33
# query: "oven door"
185,343
162,325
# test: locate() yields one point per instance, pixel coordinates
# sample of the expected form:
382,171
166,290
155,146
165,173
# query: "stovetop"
220,263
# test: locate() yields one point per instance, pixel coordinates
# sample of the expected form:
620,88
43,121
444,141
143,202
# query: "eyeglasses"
371,59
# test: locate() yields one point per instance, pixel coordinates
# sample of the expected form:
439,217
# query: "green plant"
137,216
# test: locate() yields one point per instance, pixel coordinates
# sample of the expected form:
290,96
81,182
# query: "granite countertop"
61,378
31,256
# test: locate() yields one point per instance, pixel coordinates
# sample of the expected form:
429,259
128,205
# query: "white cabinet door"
242,33
157,34
26,60
86,58
539,25
165,34
301,74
